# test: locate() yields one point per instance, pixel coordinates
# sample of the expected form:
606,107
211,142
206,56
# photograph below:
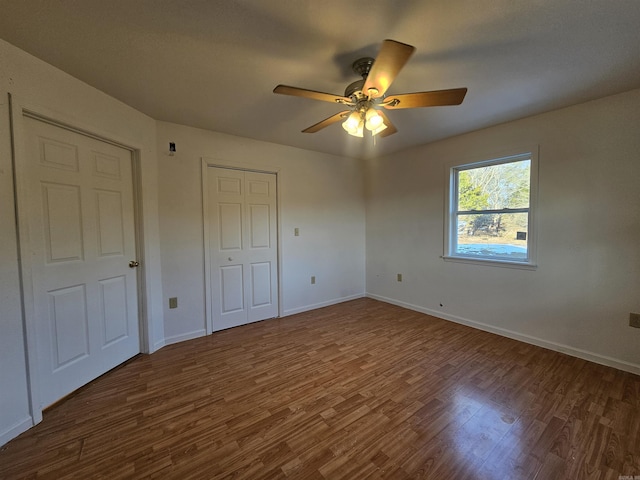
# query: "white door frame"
19,109
247,167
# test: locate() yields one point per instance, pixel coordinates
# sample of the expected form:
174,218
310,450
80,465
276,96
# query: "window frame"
451,211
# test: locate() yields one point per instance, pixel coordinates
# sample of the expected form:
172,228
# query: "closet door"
243,246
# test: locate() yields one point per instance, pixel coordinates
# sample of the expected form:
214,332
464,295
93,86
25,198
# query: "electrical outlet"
173,302
313,280
399,277
634,320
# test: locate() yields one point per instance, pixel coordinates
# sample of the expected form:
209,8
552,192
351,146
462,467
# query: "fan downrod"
362,66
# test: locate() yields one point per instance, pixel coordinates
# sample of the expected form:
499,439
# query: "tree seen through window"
492,210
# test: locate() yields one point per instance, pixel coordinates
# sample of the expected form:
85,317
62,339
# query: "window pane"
502,236
494,187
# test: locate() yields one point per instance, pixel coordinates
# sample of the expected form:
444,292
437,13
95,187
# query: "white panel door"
81,236
243,246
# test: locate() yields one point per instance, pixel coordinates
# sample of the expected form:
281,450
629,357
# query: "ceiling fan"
366,99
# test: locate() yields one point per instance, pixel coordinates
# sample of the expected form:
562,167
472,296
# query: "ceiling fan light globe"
360,129
348,128
352,121
374,120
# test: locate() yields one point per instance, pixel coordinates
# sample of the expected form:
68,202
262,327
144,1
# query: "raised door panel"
59,155
261,294
260,226
232,293
229,185
257,187
230,226
107,166
229,306
113,309
109,223
69,327
62,223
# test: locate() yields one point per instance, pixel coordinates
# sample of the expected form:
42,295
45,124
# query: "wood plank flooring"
358,390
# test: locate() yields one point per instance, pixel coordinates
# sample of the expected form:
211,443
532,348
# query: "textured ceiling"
213,63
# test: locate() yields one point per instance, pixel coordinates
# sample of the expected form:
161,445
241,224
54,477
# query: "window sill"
491,262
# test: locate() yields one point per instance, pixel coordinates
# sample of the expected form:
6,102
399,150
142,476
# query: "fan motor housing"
354,90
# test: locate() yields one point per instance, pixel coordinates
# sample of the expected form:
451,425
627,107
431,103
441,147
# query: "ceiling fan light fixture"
365,99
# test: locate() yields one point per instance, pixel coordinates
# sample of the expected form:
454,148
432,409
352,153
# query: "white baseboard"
158,345
335,301
12,432
557,347
185,336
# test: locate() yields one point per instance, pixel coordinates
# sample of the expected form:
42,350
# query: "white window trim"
450,230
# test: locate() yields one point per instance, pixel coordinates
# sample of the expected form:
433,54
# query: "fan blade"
391,129
301,92
326,122
392,57
437,98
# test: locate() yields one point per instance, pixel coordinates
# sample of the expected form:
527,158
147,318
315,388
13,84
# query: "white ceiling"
213,63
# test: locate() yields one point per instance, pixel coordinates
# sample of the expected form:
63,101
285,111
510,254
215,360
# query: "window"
490,214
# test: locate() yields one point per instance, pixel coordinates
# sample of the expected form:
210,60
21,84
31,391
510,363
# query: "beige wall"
588,279
321,195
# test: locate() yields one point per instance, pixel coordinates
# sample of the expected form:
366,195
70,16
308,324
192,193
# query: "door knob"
134,264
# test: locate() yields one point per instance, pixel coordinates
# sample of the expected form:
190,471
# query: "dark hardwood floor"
358,390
